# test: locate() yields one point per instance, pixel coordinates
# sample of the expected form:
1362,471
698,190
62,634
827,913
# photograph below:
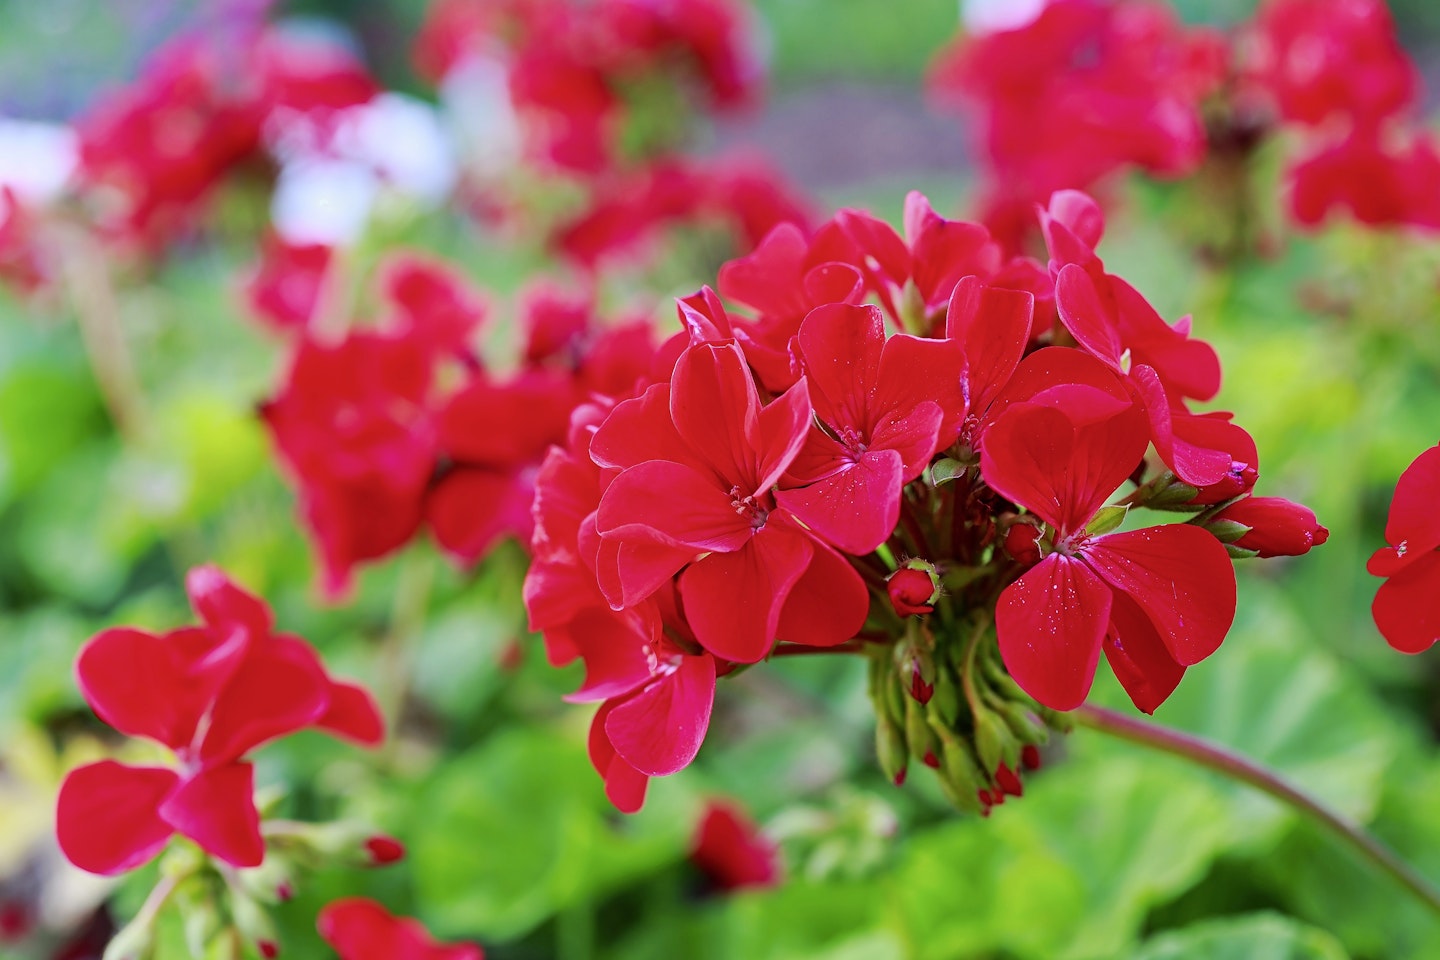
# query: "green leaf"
945,470
1099,842
1287,704
1256,937
511,833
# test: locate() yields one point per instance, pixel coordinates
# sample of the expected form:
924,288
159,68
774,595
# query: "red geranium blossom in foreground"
874,477
361,929
212,693
1406,609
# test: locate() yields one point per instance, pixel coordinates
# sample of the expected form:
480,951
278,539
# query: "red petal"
624,785
360,929
216,809
616,648
783,425
1138,656
106,817
1050,624
842,345
353,714
733,600
1180,576
629,572
1086,315
473,507
992,326
638,430
674,505
916,371
715,408
1414,520
279,687
1196,465
1034,455
1405,609
827,605
659,730
856,508
139,684
221,604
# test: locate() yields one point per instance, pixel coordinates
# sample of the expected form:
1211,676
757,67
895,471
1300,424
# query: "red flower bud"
1030,756
1007,781
1279,528
913,590
384,850
268,949
1022,542
930,760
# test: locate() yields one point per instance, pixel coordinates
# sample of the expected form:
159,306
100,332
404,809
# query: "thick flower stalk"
924,480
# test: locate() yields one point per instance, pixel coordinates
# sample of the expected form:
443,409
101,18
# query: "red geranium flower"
1405,609
1156,600
701,504
361,929
211,693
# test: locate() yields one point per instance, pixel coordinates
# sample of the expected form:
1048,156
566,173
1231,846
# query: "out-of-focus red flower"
354,426
1088,87
212,693
1321,58
1405,608
731,851
286,286
361,929
1379,181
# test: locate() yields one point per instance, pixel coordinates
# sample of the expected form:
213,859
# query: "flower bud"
1022,543
384,850
914,588
1030,756
1278,527
891,749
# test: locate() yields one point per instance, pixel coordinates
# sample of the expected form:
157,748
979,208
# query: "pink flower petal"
855,508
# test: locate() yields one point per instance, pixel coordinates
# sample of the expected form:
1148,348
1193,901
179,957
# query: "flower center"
749,508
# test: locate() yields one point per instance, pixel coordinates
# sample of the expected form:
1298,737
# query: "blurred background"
1331,350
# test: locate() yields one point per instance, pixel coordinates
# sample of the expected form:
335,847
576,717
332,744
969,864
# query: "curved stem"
1247,771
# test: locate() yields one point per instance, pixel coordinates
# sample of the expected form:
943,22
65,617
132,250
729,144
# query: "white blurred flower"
992,16
323,200
476,94
37,159
403,140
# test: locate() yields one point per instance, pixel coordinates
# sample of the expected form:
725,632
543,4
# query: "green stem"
1247,771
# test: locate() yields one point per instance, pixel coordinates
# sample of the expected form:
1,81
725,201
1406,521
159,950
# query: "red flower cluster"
152,153
212,694
1405,607
400,426
361,929
800,467
572,66
1093,86
1087,88
1336,69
